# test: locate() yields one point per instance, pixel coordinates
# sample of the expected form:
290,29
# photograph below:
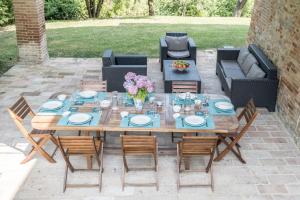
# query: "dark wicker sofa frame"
263,90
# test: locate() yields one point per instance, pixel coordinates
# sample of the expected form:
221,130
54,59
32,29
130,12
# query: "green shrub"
6,12
64,9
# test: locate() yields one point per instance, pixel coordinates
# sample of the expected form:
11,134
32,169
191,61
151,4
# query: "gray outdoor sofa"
259,83
115,67
177,46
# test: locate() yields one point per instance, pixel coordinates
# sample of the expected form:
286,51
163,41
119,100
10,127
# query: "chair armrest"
263,91
131,60
191,43
227,54
108,58
163,48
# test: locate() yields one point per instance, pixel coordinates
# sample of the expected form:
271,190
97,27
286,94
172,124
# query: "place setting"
80,118
87,96
54,106
221,107
150,119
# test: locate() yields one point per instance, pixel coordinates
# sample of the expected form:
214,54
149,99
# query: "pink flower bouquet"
138,86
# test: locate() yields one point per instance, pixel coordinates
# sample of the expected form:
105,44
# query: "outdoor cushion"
234,73
230,64
177,43
247,64
244,52
179,54
256,72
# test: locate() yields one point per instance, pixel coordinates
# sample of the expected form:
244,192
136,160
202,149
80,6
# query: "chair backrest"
138,144
79,145
96,85
249,113
176,34
184,86
196,145
18,111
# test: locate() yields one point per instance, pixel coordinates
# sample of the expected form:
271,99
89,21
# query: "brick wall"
275,27
30,30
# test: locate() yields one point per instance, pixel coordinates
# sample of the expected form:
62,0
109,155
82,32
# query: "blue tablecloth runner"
100,96
64,121
155,119
179,101
215,111
181,125
65,107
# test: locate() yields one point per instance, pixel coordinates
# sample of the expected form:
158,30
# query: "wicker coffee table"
170,75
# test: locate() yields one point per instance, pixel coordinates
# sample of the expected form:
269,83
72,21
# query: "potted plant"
138,87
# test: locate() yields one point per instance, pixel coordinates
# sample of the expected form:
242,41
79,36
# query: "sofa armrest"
192,49
227,54
263,91
108,58
191,43
131,60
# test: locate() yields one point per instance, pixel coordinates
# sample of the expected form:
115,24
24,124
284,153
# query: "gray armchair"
115,67
176,52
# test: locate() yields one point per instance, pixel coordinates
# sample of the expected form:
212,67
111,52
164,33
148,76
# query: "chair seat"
179,54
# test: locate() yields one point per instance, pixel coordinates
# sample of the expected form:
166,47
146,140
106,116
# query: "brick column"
30,30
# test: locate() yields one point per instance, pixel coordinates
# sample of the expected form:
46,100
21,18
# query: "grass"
125,38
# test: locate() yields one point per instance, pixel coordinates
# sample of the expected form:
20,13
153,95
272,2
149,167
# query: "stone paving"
272,171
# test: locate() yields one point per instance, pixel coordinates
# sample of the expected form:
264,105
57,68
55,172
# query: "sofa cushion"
177,43
247,64
230,64
256,72
234,73
179,54
244,52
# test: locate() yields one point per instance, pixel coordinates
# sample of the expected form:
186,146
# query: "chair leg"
172,137
123,177
65,178
212,178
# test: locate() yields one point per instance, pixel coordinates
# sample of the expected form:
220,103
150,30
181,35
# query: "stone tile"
269,189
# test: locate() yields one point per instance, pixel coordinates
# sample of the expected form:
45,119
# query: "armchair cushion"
256,72
230,64
244,52
177,43
247,64
179,54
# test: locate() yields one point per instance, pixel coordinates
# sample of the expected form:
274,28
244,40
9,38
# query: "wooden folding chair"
81,145
192,146
95,85
139,146
182,87
37,138
249,113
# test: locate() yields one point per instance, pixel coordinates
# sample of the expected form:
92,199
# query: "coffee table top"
170,74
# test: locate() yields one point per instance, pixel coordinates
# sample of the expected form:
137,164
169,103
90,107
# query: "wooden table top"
110,120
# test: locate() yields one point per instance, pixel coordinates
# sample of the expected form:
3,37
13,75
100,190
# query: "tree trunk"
240,4
99,7
151,7
87,3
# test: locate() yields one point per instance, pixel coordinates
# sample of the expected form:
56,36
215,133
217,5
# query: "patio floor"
273,161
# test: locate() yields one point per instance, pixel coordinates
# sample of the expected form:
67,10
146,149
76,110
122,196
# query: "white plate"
80,118
183,96
87,94
52,105
223,105
194,120
105,103
140,120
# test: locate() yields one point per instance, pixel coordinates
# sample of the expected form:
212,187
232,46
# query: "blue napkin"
215,111
96,116
180,124
155,122
43,111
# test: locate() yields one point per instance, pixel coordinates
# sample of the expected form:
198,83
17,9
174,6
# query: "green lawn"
125,38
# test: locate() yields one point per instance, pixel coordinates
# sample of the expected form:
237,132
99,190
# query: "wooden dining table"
110,119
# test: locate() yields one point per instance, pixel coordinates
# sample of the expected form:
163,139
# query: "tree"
94,7
151,7
240,4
